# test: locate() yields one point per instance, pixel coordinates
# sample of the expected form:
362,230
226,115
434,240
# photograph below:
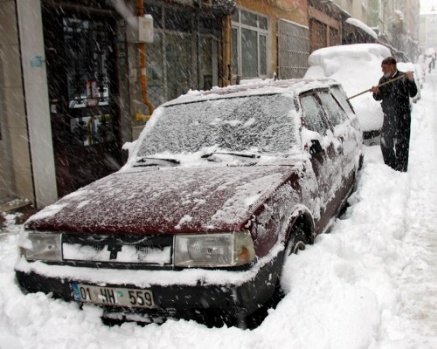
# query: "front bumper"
231,299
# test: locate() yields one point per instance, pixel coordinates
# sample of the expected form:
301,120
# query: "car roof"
290,86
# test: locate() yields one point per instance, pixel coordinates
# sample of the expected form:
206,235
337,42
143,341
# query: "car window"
264,122
313,116
341,98
336,115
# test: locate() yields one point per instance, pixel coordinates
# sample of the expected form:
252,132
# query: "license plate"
122,297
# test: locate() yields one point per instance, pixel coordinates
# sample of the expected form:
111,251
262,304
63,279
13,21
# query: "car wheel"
296,243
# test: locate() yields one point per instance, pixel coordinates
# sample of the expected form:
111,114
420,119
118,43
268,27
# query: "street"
370,283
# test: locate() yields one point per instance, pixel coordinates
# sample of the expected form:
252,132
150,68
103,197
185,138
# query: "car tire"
297,242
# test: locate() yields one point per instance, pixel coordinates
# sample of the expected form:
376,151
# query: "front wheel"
297,242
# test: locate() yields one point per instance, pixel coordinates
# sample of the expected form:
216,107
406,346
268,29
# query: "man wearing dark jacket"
395,97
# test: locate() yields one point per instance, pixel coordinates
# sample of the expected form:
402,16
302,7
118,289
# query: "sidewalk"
418,282
21,209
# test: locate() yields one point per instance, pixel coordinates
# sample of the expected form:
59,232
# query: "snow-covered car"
220,188
357,67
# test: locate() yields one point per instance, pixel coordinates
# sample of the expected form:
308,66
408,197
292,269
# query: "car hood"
164,201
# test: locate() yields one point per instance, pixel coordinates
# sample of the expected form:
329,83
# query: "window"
184,52
313,117
261,122
343,101
336,115
249,44
178,20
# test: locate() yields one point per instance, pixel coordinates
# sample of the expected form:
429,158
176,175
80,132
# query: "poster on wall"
92,94
90,130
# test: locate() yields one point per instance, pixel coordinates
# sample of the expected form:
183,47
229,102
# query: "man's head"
388,66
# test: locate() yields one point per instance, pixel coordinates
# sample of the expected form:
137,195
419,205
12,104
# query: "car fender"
271,222
303,217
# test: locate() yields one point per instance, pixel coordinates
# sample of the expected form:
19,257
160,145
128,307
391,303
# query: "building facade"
267,39
26,152
428,30
77,84
356,9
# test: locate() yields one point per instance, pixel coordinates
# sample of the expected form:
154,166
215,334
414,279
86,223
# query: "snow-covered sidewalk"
370,283
415,313
419,278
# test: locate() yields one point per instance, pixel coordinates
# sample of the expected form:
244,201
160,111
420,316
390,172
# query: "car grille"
127,251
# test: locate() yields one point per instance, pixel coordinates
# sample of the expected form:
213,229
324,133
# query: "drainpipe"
142,51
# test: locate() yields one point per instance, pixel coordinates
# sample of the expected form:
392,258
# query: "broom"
384,83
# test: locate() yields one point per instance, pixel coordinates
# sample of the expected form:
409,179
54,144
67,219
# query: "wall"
15,168
325,26
428,31
36,104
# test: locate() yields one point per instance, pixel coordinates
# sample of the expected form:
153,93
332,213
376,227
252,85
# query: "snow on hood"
167,200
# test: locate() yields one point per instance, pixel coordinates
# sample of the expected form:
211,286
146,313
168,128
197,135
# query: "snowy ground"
370,283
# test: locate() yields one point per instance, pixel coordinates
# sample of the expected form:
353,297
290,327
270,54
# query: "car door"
325,152
347,135
349,127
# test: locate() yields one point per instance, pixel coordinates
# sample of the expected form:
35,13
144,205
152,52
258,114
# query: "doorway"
80,48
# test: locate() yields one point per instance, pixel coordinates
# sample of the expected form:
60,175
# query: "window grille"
293,49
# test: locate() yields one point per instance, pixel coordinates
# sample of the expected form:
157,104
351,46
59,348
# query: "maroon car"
218,190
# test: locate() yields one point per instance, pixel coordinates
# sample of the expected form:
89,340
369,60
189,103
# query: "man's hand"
410,75
374,89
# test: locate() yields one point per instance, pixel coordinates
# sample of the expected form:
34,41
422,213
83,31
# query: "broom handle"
384,83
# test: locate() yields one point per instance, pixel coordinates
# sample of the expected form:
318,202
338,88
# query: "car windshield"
263,123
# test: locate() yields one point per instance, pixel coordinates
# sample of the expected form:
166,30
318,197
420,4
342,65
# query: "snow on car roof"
294,86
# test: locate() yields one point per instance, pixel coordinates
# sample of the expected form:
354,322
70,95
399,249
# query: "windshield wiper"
143,161
251,156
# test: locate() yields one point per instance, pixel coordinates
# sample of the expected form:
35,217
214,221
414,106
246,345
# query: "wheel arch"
302,218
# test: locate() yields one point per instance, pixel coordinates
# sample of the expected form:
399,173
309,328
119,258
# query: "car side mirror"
316,147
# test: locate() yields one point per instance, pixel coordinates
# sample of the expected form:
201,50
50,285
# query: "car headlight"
44,246
213,250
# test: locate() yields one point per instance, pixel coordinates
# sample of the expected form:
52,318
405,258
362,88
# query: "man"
395,97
